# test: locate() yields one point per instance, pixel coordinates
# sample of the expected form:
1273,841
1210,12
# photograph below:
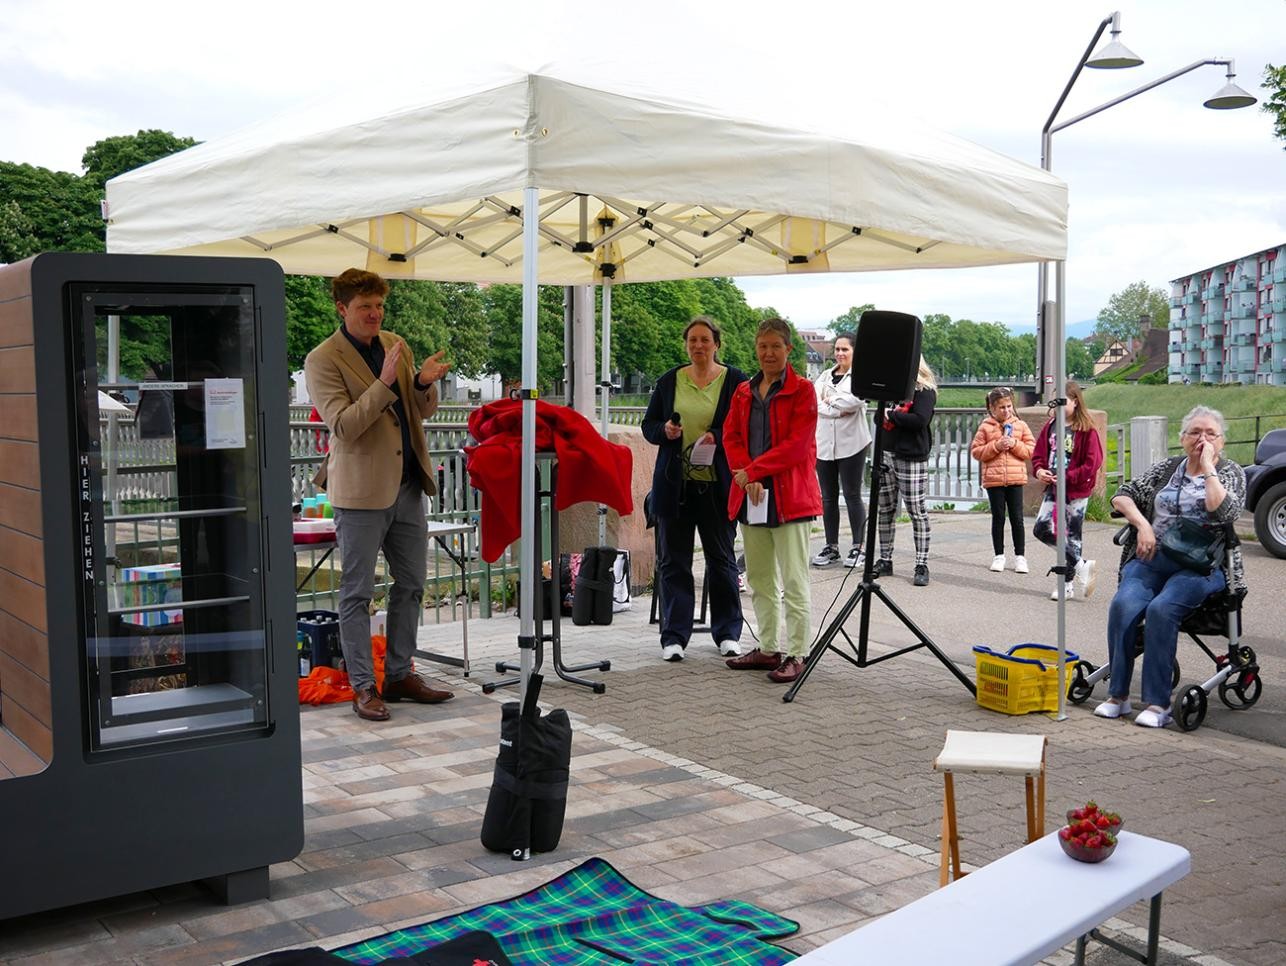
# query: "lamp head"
1230,96
1114,55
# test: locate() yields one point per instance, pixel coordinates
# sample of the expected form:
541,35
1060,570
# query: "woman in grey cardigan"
1201,486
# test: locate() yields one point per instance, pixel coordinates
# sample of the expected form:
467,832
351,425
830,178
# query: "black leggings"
1008,498
831,475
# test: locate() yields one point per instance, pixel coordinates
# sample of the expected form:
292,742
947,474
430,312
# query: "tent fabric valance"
648,185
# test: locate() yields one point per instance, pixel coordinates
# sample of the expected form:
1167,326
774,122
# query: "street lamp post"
1050,315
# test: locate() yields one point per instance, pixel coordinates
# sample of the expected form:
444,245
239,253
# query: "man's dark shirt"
374,356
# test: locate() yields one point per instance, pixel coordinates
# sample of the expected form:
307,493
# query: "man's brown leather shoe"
367,704
756,660
414,688
790,669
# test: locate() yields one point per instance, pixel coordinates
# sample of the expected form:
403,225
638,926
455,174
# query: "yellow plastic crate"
1021,680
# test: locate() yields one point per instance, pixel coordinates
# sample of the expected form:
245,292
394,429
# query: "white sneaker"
730,648
998,563
1112,708
1020,566
856,558
1086,576
672,652
1053,594
1153,717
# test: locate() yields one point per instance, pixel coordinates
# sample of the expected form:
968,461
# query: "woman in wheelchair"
1155,587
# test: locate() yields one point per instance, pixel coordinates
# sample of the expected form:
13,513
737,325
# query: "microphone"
676,418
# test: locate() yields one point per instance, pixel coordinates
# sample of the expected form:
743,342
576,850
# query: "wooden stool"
986,753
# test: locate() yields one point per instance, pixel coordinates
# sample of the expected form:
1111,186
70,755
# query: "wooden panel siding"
24,600
25,644
26,717
19,464
26,689
19,419
15,322
22,554
20,509
18,370
26,728
16,759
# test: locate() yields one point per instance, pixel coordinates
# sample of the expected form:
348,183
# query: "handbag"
1193,546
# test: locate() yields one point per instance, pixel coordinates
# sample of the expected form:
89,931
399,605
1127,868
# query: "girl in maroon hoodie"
1083,450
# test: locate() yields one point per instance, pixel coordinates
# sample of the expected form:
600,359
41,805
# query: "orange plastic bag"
328,685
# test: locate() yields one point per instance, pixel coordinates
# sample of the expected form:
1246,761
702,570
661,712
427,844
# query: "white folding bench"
1018,909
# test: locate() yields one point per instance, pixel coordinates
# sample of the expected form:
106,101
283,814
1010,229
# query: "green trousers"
777,560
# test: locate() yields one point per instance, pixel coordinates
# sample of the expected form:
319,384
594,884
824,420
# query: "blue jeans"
703,510
1164,594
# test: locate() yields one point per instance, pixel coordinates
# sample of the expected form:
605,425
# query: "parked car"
1266,492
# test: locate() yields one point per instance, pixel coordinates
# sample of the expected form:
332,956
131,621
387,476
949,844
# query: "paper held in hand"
757,514
702,454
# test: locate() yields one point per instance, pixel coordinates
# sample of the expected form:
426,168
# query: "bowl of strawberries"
1090,833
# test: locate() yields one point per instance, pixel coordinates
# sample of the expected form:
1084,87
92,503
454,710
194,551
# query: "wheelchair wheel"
1241,690
1189,708
1078,688
1174,678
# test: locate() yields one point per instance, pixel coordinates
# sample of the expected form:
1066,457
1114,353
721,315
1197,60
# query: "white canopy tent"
538,178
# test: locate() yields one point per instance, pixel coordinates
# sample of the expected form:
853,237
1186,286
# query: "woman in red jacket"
770,440
1083,450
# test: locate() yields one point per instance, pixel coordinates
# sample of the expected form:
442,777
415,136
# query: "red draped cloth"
590,468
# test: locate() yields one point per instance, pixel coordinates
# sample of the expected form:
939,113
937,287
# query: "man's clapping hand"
434,368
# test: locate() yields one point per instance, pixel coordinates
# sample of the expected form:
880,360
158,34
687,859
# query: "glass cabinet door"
169,514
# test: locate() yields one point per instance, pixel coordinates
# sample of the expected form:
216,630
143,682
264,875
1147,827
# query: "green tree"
1275,103
1122,318
503,307
1080,364
105,159
46,211
310,316
847,321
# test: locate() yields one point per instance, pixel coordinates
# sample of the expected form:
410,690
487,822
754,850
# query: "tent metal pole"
605,409
526,561
1060,502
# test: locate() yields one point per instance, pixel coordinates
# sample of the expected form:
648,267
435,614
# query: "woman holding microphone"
690,485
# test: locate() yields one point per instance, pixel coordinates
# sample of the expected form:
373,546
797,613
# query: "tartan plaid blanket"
592,916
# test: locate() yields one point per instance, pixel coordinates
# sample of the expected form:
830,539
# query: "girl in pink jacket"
1003,444
1083,451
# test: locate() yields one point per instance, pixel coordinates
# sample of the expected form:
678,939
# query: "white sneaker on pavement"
672,652
1053,594
1086,576
998,563
1020,565
730,648
1153,717
1112,708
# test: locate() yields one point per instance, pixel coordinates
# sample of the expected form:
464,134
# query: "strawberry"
1113,818
1102,822
1094,842
1091,808
1065,833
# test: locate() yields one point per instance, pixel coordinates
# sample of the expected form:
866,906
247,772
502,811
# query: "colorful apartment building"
1228,323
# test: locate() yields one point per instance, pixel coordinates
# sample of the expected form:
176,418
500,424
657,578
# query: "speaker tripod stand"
868,589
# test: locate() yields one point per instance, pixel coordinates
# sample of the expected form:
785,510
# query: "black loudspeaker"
886,356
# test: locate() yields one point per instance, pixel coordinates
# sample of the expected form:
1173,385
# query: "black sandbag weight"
528,799
592,603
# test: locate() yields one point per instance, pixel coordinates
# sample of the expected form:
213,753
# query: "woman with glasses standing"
690,491
843,435
1083,451
1200,486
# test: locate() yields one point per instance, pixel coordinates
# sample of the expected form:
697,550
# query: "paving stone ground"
699,783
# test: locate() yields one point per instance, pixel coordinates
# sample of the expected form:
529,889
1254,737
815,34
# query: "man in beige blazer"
365,385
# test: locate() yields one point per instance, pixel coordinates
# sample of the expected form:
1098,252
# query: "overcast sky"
1159,186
